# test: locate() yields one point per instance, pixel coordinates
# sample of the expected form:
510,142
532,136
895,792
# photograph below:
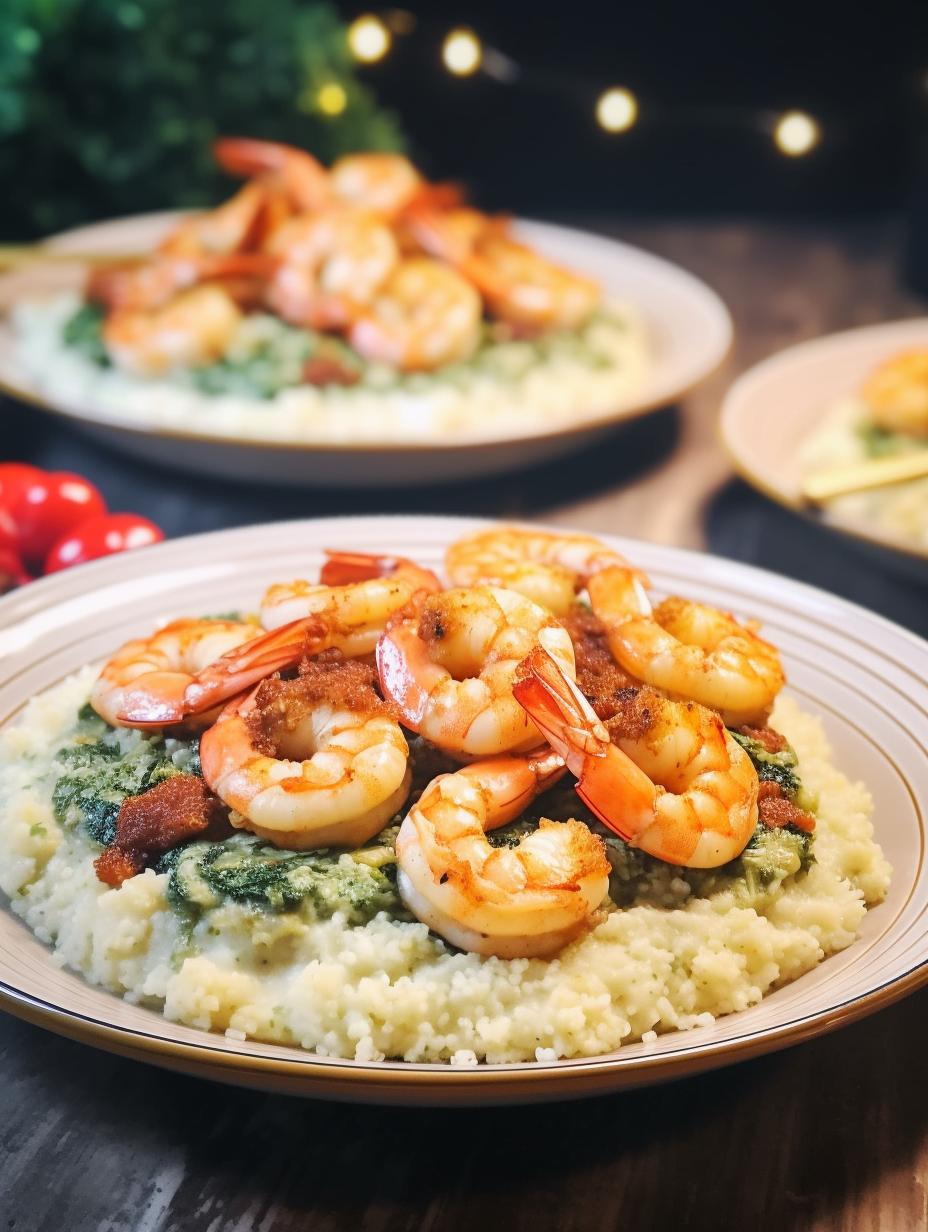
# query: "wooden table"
830,1135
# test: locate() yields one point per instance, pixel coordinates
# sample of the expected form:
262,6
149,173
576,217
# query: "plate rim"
728,412
723,323
314,1076
456,523
310,1075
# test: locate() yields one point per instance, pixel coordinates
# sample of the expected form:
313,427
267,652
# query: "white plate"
773,407
865,676
688,325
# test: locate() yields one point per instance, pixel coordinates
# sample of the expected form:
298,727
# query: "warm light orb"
616,110
332,99
368,38
462,52
796,133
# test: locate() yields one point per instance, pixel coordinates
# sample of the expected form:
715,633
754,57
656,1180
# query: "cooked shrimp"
448,665
530,292
546,567
283,168
424,316
384,183
688,650
331,266
193,328
304,619
141,285
356,612
242,666
897,393
144,683
340,568
518,285
229,228
452,235
675,783
303,770
514,902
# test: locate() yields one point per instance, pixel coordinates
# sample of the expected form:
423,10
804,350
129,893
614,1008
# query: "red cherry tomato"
8,536
47,507
102,536
13,477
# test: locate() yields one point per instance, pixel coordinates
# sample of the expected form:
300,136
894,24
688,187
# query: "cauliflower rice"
506,390
837,442
391,989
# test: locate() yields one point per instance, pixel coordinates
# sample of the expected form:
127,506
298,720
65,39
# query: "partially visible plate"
863,675
774,406
689,331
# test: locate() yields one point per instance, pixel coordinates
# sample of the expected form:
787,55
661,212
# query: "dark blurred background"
109,106
710,80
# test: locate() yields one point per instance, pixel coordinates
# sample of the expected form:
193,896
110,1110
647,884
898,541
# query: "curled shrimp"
424,316
140,285
193,328
230,227
145,682
448,664
675,783
330,267
529,291
548,568
518,285
384,183
897,393
452,235
355,597
514,902
308,767
283,168
304,619
688,649
143,285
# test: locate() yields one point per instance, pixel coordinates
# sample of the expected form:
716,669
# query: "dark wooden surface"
830,1135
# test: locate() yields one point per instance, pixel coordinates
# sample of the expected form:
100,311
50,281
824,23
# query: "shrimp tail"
558,708
606,778
344,568
443,195
245,666
303,178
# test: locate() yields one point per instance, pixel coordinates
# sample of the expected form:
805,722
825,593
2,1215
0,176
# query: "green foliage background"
109,107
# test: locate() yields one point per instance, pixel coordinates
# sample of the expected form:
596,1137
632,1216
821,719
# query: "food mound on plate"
366,251
522,812
336,303
886,417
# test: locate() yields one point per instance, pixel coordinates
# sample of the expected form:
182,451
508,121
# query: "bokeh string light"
616,108
796,133
332,98
369,38
462,52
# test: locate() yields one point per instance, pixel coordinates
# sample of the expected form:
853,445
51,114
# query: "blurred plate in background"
774,407
688,326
